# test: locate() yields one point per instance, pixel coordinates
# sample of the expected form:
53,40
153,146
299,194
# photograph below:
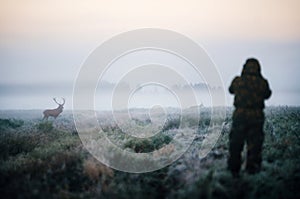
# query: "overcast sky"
43,43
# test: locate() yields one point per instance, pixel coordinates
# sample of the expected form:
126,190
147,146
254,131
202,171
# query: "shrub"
95,170
146,145
45,126
172,123
14,143
10,123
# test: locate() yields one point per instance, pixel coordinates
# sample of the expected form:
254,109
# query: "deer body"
54,112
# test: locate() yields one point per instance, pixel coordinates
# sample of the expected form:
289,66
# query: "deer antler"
55,101
64,101
59,103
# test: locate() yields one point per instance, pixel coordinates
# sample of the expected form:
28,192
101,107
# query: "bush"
172,123
15,143
146,145
10,123
45,126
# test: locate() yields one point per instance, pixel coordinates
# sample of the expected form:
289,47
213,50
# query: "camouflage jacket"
250,89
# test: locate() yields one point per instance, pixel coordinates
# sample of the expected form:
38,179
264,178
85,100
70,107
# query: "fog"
44,45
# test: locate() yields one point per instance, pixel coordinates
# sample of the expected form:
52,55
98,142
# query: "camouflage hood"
251,67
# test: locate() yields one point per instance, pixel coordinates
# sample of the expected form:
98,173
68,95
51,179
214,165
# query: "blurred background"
44,43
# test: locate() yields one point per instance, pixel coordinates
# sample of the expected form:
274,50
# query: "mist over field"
40,97
32,85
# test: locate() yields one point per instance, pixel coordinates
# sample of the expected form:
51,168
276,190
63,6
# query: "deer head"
60,106
54,112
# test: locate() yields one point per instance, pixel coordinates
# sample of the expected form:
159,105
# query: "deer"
54,112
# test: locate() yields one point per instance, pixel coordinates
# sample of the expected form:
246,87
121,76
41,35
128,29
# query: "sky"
43,43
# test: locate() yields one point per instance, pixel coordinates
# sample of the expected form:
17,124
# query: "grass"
47,160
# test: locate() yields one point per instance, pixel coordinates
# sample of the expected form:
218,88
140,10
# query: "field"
46,159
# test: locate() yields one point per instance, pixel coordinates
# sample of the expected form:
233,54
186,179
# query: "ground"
46,159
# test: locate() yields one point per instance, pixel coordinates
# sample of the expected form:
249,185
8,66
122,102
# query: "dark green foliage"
50,166
136,186
44,178
45,127
172,123
146,145
204,122
12,144
10,123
